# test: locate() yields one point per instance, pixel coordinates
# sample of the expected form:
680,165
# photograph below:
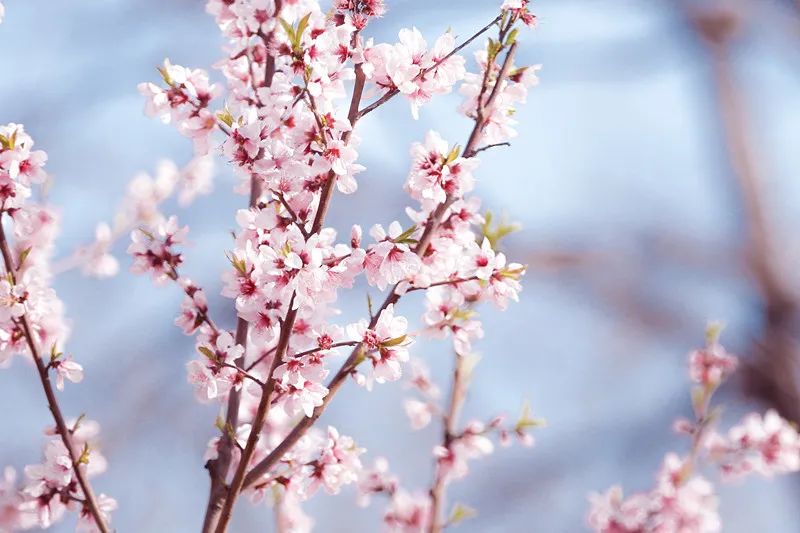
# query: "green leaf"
453,155
225,116
238,264
360,357
54,353
301,27
78,422
394,342
406,235
526,421
462,314
84,458
460,513
713,331
165,75
369,305
23,256
699,401
207,352
512,37
288,29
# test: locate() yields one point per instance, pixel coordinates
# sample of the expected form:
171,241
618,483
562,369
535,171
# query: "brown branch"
489,146
454,281
61,426
261,358
218,468
458,394
772,375
352,116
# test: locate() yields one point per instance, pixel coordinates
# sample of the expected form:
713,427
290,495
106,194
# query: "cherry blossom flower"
767,445
519,8
386,344
375,480
419,413
711,365
152,249
68,369
438,171
408,513
390,260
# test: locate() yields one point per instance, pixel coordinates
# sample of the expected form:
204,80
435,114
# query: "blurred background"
655,179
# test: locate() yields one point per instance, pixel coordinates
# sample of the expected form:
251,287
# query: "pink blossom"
66,368
375,480
419,413
389,261
711,365
152,249
765,445
408,513
86,521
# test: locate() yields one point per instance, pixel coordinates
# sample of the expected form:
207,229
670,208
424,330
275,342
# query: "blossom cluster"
683,499
50,488
284,122
143,205
32,324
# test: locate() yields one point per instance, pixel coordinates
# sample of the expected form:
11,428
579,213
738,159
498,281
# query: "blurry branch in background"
771,374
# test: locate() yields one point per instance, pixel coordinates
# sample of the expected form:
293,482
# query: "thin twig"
394,92
61,426
218,468
488,146
458,394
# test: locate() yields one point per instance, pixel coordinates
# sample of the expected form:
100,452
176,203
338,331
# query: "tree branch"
61,426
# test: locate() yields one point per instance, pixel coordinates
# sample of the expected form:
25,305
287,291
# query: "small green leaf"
238,264
225,116
406,235
207,352
460,513
23,256
453,155
84,458
713,331
526,421
360,357
699,401
512,37
462,314
301,27
394,342
78,422
369,305
165,74
288,29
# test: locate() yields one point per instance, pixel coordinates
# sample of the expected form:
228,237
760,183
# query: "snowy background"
620,168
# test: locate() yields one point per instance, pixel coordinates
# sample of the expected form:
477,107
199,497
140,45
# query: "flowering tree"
287,126
297,80
683,500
